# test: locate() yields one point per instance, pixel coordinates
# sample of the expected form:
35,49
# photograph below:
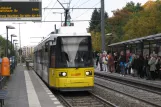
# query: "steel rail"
106,87
131,84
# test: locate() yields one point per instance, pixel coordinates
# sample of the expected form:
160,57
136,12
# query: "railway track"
147,96
80,99
83,99
130,83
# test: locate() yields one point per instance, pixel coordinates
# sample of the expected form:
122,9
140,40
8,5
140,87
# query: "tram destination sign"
20,10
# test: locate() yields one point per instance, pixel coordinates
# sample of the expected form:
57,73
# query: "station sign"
20,10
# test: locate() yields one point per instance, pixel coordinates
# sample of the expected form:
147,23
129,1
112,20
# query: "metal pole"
20,42
7,43
61,19
11,45
102,25
20,39
19,36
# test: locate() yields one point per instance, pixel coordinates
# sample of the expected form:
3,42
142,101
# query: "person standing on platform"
152,63
97,59
105,61
100,61
158,66
115,61
134,66
146,66
111,63
122,61
140,66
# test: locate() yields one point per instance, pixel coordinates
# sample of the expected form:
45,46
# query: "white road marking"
50,93
56,102
32,96
59,106
53,98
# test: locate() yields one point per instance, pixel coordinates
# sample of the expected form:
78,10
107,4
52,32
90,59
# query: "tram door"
52,73
52,56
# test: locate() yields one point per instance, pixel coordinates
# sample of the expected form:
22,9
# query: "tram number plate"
76,74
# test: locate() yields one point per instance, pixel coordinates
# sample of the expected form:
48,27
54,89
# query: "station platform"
152,83
25,89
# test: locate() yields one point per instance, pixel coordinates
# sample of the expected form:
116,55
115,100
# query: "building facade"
27,51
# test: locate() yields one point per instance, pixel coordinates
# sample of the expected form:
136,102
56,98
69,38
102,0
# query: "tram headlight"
63,74
88,73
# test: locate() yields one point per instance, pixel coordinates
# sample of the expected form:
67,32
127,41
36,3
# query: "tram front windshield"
74,52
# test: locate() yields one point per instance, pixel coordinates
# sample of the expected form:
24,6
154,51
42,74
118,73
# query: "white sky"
31,29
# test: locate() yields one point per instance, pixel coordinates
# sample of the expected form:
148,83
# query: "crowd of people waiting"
148,67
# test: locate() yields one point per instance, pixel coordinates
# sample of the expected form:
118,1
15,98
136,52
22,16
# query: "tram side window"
52,56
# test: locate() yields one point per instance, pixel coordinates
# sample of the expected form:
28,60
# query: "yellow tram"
64,60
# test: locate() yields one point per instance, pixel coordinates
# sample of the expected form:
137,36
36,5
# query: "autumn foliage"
132,21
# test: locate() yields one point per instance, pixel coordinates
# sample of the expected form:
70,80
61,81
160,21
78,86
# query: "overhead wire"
83,3
49,3
47,6
87,10
50,10
70,2
76,3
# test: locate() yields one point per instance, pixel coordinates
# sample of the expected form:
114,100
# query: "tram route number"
76,74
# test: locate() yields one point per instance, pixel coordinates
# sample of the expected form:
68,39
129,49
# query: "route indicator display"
20,10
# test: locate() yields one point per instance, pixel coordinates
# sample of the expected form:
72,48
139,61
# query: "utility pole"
102,25
20,40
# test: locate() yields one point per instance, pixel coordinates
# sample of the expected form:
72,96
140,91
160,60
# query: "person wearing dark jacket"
122,61
100,62
140,66
146,66
116,61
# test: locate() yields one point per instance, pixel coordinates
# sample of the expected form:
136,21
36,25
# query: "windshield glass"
74,52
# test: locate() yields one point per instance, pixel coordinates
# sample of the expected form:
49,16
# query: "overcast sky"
31,29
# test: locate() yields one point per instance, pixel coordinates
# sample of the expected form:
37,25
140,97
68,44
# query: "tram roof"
137,40
63,31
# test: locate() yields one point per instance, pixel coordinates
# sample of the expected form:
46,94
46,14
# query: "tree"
120,18
106,15
96,40
131,7
3,46
115,23
146,23
95,23
94,20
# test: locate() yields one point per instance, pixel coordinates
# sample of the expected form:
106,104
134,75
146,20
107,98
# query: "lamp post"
8,27
13,35
15,43
15,48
